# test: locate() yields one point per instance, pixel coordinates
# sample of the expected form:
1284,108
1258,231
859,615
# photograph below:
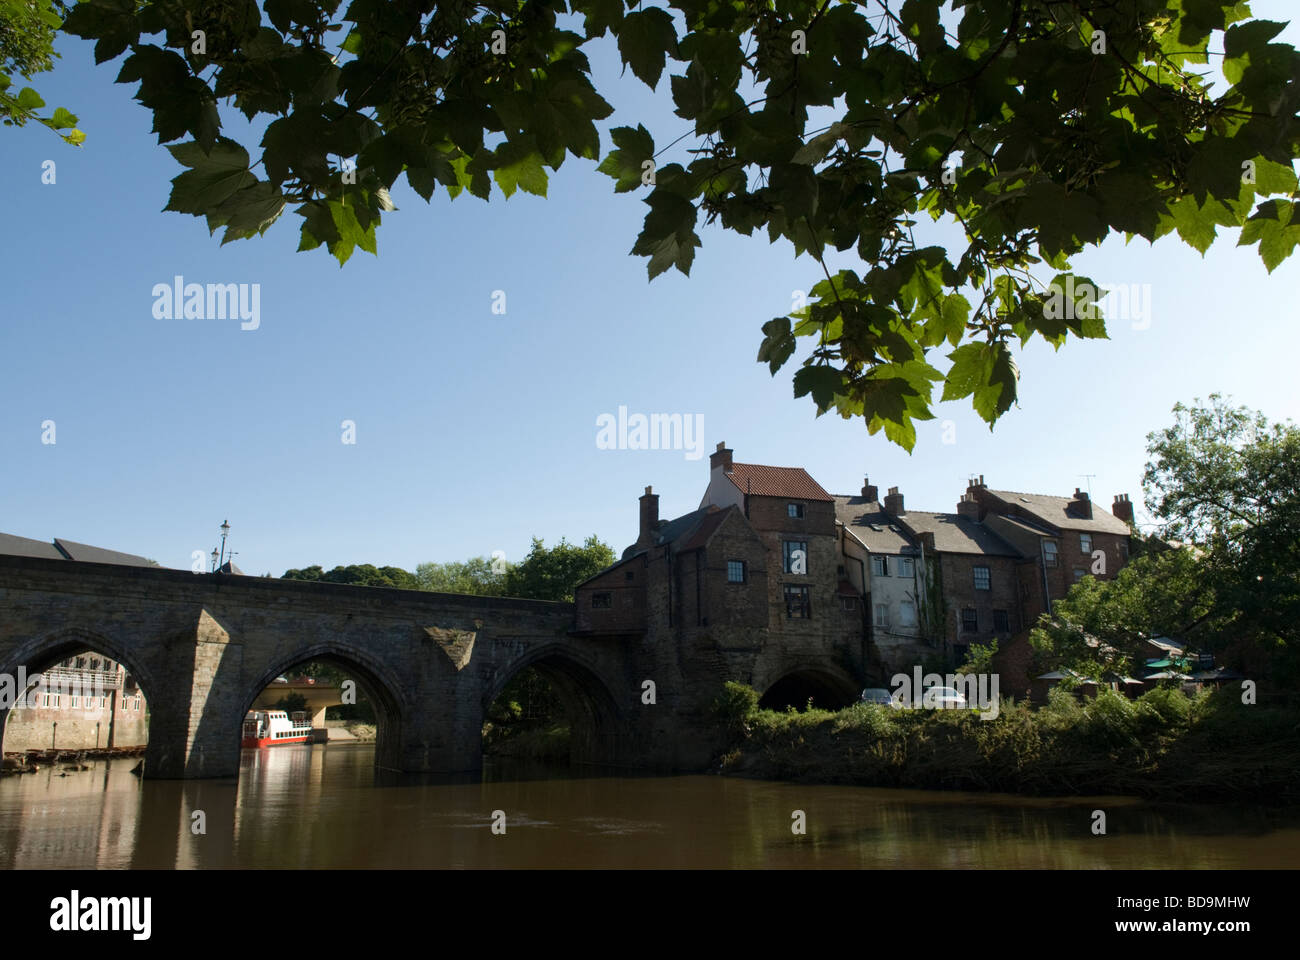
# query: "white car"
943,698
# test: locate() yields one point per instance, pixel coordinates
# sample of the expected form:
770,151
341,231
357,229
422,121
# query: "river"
325,807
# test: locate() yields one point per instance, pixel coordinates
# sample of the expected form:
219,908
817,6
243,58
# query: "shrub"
736,704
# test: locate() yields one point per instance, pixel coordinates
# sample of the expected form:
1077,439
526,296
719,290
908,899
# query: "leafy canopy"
1028,129
27,29
1223,574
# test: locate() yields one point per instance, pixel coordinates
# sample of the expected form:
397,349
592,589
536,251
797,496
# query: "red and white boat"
271,728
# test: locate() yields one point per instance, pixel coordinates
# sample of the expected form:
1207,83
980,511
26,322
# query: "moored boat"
272,728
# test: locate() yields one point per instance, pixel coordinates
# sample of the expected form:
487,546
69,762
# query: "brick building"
87,701
770,559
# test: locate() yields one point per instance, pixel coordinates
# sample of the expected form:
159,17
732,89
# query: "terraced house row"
771,560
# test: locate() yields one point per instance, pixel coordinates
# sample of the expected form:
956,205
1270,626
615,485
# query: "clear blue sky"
476,431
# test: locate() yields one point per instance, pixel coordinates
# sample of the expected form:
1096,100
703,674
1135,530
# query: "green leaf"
212,177
778,344
520,166
644,38
822,381
626,163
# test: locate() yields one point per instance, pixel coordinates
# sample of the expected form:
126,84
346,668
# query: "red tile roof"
792,482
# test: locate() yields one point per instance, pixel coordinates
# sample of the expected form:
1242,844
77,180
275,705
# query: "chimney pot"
1123,508
894,503
720,458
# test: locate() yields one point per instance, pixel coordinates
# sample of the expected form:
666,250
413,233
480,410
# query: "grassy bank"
1162,746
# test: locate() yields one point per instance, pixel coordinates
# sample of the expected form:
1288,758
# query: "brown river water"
325,806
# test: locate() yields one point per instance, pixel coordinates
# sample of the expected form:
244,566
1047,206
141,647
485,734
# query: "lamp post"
225,531
214,559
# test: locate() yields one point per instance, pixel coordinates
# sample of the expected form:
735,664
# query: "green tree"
1100,626
551,573
1228,481
1023,131
27,29
475,577
364,575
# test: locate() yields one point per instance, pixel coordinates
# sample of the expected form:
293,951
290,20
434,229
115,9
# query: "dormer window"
794,511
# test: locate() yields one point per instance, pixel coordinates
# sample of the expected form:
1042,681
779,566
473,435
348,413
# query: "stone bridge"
204,646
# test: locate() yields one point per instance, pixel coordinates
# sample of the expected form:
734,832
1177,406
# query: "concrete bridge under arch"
204,646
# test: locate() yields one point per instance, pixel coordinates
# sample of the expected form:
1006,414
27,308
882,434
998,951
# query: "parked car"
945,698
877,695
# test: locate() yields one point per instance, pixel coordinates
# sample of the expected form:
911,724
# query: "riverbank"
31,761
1163,746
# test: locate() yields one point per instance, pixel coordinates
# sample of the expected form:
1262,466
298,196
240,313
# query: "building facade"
85,702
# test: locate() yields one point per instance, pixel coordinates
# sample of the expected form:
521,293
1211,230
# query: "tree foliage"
552,573
1028,130
363,575
1224,574
27,29
474,577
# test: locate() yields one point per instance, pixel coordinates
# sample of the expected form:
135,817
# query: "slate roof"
957,534
858,514
762,481
89,554
23,547
1052,510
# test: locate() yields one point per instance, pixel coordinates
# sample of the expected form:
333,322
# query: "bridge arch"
39,654
830,688
373,678
597,721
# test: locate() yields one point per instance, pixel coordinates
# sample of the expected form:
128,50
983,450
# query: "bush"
736,704
1170,702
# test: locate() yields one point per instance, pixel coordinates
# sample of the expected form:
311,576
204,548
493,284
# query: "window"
81,663
1049,552
1001,623
45,699
76,702
882,615
982,578
1079,574
1085,544
906,566
629,575
735,571
796,556
879,565
602,601
848,603
969,620
794,511
797,604
55,699
907,614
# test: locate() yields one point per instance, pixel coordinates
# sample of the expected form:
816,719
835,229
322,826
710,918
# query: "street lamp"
214,559
225,531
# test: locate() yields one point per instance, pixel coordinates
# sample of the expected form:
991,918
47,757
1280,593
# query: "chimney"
1123,508
975,483
1081,505
720,457
969,507
894,503
869,490
649,518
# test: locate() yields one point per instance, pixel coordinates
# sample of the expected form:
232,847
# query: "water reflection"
311,807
